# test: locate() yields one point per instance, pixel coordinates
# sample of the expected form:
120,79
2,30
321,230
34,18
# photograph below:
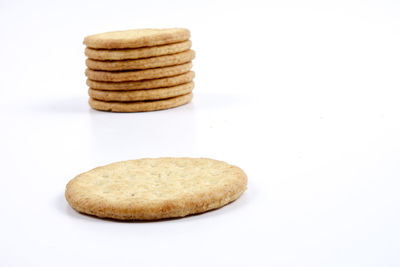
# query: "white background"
303,95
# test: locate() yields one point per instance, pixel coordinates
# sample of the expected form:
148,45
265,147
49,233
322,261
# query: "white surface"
303,96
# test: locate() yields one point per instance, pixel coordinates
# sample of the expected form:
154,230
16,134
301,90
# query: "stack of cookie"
139,70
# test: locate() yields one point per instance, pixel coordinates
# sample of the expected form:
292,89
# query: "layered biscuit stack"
139,70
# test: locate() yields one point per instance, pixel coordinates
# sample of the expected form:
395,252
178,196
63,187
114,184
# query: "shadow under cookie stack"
139,70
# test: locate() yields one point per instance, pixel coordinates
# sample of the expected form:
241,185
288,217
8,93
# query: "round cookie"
122,76
136,38
138,95
155,188
144,84
144,63
140,106
145,52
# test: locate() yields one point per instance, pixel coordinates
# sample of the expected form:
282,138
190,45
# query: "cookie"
144,63
136,38
137,75
139,106
145,52
155,188
138,95
144,84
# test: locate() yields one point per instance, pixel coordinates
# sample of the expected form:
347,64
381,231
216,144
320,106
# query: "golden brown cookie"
137,75
138,95
144,84
136,38
140,64
157,188
145,52
139,106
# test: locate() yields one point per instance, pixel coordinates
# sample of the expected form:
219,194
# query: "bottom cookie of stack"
140,106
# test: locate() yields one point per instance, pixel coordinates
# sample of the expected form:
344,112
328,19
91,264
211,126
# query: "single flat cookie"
138,95
137,75
144,84
145,52
140,64
141,106
136,38
150,189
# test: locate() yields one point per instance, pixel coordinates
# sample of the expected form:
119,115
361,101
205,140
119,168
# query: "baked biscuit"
151,189
139,106
136,38
144,84
140,64
135,53
137,75
138,95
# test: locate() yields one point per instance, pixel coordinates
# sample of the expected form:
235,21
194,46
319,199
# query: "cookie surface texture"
137,95
144,63
145,52
150,189
137,75
136,38
144,84
139,106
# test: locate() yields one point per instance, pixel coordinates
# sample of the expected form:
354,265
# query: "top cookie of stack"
139,70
